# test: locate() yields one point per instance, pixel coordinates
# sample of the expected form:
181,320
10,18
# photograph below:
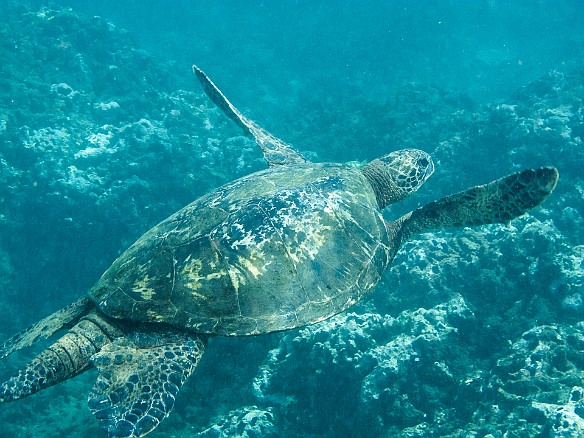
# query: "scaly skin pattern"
46,327
139,378
276,152
66,358
496,202
257,255
397,175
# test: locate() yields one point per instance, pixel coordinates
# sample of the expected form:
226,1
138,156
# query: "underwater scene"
105,132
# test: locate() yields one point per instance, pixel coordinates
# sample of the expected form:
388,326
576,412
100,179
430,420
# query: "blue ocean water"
104,132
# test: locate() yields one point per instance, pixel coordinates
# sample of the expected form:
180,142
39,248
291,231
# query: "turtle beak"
426,164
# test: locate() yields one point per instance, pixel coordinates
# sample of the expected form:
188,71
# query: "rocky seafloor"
472,332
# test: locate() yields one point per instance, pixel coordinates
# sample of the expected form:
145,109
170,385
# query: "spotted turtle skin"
278,249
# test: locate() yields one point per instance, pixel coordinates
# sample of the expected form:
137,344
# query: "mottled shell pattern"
256,255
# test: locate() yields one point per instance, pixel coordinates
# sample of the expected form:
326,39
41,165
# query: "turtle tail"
496,202
67,357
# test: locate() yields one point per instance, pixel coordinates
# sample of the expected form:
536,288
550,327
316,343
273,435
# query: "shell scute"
276,250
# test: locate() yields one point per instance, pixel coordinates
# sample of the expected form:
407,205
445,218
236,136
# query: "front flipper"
496,202
276,152
139,377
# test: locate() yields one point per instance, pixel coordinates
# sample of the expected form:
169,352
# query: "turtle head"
397,175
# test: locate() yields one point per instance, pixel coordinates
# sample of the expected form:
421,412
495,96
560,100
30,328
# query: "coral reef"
366,369
248,422
95,147
470,333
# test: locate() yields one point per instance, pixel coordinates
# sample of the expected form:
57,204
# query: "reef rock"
247,422
96,146
538,384
367,369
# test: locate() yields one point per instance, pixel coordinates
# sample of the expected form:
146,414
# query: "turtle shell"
275,250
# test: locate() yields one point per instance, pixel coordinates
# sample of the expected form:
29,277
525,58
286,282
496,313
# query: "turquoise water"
104,132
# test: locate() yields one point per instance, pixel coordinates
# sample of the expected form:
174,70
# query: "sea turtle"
284,247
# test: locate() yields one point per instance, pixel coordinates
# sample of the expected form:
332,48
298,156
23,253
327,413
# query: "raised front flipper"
496,202
276,152
139,378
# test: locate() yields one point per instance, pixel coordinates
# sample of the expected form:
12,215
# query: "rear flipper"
66,358
46,327
139,377
496,202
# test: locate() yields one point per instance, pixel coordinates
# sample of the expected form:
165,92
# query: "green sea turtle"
284,247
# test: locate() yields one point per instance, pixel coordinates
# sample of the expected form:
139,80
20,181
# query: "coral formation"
471,332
